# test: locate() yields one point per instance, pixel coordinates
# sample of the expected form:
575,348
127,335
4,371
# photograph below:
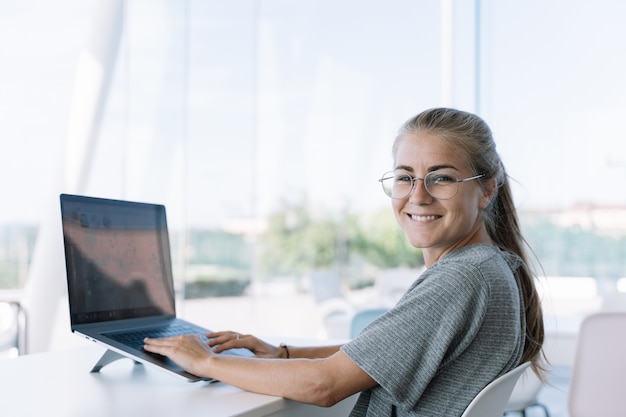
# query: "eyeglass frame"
415,179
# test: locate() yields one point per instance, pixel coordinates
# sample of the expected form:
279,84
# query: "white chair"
333,308
391,284
524,395
325,285
362,318
599,372
491,400
12,323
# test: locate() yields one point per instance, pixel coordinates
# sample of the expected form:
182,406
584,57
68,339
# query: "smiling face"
438,226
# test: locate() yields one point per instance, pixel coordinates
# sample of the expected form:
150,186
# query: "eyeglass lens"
439,184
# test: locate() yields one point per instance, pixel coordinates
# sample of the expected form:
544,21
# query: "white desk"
60,384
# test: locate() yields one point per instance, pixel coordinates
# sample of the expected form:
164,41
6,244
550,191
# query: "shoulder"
471,271
476,254
480,257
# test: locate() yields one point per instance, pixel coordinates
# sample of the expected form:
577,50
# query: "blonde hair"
470,134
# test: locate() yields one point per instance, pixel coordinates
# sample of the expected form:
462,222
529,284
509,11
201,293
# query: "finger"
223,337
160,346
169,341
228,341
161,350
219,334
165,341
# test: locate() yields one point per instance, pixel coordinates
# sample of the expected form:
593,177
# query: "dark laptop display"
117,259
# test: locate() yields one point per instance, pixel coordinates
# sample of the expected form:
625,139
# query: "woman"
471,316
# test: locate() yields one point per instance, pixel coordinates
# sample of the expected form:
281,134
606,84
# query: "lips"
429,218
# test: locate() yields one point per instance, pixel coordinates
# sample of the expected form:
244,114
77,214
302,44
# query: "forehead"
424,150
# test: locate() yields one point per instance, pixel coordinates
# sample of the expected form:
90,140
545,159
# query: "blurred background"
263,126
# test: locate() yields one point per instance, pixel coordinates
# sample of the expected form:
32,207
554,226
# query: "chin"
419,244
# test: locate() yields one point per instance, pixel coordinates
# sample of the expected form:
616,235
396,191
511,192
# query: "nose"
419,194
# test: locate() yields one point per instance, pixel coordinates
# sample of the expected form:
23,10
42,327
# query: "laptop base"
108,357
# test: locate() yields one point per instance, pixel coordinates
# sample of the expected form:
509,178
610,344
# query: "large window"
552,89
263,125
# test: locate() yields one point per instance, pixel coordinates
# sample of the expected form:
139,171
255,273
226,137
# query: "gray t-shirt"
458,327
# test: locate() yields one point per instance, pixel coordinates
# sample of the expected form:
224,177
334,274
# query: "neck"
433,255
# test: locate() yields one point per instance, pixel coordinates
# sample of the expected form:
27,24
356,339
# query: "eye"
402,178
441,178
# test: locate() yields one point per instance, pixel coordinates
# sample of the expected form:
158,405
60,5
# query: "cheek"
397,206
472,210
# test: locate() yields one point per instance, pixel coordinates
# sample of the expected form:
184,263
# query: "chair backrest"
491,400
362,318
599,373
392,283
12,327
525,392
325,285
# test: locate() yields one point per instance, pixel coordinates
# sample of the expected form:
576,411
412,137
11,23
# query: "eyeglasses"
442,185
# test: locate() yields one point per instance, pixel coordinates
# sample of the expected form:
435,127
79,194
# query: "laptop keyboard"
135,338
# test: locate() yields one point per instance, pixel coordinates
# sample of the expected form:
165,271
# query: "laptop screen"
117,258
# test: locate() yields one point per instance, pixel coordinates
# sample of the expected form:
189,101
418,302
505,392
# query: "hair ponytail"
503,226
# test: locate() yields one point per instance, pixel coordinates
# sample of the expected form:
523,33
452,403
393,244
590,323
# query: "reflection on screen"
118,261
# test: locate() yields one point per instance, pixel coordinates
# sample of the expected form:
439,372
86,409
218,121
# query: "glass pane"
553,90
292,112
40,43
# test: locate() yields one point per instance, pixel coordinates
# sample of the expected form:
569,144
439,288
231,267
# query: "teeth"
423,218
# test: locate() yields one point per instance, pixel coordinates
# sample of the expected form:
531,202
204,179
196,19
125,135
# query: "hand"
188,351
221,341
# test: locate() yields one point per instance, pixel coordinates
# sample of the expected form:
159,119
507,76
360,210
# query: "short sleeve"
432,324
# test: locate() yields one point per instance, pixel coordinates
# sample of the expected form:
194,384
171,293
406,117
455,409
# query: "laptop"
119,279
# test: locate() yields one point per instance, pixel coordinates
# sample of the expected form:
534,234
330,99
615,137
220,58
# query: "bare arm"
322,381
222,341
311,352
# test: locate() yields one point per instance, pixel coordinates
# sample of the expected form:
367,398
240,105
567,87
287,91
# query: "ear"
489,191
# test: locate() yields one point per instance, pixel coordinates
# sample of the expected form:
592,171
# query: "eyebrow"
430,169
